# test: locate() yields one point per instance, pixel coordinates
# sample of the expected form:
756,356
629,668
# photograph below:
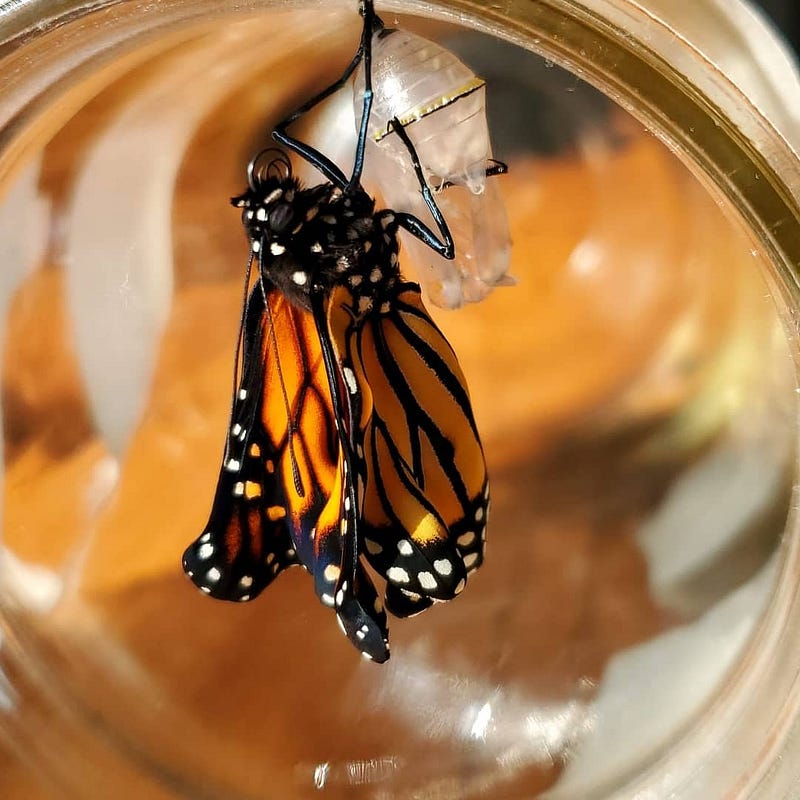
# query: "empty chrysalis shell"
442,105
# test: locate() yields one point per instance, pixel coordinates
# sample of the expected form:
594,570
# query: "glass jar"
632,632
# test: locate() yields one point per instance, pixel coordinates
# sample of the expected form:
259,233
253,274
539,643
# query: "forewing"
427,493
359,609
297,419
246,542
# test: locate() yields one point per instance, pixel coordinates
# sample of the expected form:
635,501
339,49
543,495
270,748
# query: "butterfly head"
272,206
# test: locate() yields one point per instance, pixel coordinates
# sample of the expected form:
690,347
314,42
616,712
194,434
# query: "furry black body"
312,239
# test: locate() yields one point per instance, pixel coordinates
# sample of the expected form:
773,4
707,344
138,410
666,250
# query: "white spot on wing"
443,566
404,547
398,575
350,380
466,539
426,580
205,551
277,249
331,573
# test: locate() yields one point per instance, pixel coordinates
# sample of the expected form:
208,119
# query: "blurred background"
785,14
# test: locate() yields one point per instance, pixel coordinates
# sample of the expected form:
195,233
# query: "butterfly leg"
314,157
444,246
495,168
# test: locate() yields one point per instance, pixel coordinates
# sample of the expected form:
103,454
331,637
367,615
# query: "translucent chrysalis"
441,104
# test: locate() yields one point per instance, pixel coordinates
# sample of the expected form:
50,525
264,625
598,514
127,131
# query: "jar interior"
633,390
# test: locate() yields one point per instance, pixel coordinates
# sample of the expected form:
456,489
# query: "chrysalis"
442,105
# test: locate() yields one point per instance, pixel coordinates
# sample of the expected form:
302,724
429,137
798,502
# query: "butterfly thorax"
313,239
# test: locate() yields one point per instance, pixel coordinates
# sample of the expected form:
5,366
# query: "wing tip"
213,576
362,618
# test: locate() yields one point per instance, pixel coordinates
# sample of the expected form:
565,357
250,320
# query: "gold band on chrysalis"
418,113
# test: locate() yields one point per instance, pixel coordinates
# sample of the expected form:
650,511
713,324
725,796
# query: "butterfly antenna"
290,426
237,369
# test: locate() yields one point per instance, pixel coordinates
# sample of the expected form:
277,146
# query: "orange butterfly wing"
246,542
284,493
426,497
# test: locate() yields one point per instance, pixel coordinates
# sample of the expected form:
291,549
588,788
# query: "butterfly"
352,442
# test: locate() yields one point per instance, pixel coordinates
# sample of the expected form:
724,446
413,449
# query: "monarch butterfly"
351,438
